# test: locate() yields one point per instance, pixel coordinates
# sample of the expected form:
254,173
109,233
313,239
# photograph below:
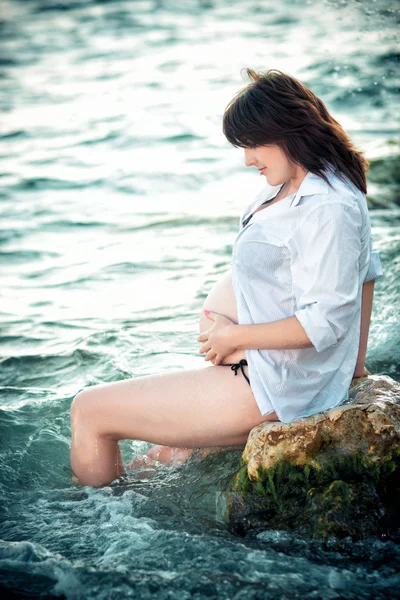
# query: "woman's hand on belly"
235,356
216,341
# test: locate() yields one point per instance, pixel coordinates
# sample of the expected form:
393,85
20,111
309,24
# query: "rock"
333,474
384,181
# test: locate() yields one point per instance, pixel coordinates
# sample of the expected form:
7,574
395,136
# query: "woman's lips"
262,170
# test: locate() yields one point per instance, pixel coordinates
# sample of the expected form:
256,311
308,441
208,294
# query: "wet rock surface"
333,474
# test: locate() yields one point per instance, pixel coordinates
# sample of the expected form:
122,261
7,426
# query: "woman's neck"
293,184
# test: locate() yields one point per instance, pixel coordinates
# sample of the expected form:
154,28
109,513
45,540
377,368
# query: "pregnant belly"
222,300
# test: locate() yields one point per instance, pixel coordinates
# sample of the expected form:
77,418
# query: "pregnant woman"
285,330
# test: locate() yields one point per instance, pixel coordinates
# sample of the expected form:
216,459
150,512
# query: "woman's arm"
366,310
283,334
289,333
224,337
375,271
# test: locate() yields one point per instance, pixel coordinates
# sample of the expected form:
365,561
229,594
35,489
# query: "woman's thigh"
209,406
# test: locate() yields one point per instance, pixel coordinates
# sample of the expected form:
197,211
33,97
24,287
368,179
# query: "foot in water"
165,455
156,455
169,456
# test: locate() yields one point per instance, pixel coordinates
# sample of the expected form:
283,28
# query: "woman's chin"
272,182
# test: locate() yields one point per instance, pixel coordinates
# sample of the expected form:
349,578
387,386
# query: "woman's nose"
248,157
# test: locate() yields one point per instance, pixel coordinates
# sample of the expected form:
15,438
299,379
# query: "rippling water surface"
120,200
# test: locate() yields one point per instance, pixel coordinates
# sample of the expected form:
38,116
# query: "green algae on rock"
333,474
384,181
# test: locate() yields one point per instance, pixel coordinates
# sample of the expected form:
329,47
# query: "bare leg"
186,409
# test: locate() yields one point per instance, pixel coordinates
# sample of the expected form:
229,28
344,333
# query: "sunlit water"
120,201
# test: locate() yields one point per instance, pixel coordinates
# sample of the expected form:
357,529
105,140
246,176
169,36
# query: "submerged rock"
333,474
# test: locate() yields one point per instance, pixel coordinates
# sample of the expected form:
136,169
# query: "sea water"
120,201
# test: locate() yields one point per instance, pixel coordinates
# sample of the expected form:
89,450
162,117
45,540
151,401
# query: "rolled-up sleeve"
325,252
375,270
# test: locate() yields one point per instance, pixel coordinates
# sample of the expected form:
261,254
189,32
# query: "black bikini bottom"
236,366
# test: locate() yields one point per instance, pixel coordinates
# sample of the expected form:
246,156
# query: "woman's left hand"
217,340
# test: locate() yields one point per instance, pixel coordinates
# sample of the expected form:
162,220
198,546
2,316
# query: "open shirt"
307,255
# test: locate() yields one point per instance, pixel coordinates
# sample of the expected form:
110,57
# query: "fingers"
211,354
205,348
217,360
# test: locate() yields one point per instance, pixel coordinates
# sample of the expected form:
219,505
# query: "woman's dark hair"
276,108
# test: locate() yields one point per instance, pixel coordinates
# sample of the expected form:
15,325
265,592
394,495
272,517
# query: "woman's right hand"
216,341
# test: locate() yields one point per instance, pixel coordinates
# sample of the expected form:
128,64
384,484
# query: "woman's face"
271,161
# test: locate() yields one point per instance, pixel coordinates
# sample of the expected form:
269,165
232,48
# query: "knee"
82,408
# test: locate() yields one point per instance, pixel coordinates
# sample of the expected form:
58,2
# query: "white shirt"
307,255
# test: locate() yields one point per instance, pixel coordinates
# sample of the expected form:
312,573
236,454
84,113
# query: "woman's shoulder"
338,188
343,185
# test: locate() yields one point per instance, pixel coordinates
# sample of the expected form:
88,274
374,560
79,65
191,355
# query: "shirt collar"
311,184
